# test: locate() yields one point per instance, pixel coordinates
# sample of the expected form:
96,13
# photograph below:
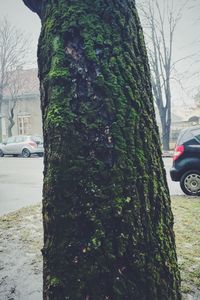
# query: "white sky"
25,20
186,37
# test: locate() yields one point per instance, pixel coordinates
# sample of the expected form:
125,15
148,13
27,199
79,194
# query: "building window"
24,125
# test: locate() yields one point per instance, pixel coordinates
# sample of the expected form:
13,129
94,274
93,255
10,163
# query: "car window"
19,139
37,139
11,140
184,137
196,134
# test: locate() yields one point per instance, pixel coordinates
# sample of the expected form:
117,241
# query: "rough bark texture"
108,225
164,110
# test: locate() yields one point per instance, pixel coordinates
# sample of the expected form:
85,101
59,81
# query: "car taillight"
32,144
179,150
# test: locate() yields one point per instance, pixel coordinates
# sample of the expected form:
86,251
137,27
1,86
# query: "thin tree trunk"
165,131
165,117
164,113
108,225
0,129
165,137
1,100
10,126
11,121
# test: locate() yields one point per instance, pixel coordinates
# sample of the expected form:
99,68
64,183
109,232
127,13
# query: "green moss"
90,51
49,25
54,116
58,73
54,281
59,115
116,51
100,39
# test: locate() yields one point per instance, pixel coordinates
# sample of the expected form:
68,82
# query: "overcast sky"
25,20
186,36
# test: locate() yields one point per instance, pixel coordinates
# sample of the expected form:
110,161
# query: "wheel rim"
192,183
25,153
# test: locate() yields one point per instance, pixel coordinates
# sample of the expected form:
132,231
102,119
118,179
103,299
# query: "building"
27,112
185,117
181,118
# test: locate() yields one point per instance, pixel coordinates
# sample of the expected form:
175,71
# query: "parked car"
23,145
186,161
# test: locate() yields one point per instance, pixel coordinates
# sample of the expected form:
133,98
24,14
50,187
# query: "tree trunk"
108,225
165,117
10,126
165,136
166,128
164,112
1,100
11,121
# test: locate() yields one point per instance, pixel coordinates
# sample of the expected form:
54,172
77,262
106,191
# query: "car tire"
190,183
40,154
26,153
1,153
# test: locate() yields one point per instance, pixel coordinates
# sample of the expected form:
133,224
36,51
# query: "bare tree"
13,46
15,86
161,19
197,98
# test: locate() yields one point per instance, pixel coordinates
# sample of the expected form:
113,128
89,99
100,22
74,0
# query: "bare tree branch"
160,21
13,50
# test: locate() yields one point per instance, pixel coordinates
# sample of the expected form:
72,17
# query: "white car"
23,145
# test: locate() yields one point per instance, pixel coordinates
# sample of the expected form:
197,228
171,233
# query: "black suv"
186,161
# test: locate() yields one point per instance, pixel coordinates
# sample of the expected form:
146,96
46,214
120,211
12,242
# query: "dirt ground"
21,243
20,255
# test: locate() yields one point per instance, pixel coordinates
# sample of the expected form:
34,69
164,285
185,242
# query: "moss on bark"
108,225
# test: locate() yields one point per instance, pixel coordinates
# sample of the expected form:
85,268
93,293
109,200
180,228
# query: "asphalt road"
174,187
21,182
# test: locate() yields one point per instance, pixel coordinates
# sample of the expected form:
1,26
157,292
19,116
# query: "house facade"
27,111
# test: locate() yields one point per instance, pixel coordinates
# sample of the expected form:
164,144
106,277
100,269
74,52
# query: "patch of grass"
24,225
187,230
27,225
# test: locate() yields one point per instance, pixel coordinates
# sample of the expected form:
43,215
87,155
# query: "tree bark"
165,137
165,117
11,122
108,225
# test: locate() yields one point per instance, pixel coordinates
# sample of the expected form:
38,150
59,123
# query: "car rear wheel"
190,183
1,153
26,153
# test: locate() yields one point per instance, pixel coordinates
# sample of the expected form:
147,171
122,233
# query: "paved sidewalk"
167,153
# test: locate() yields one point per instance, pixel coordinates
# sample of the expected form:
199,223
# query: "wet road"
21,182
